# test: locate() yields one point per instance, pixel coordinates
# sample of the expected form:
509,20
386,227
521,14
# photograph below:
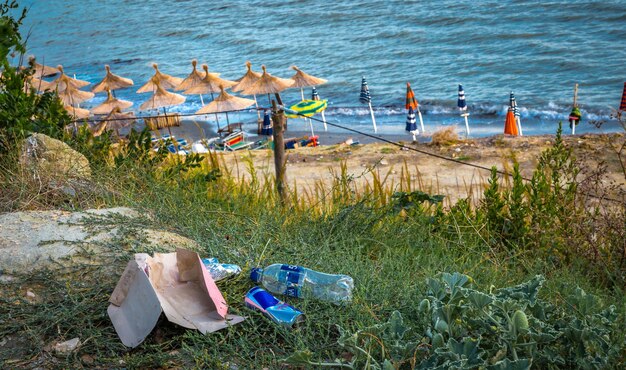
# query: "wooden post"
278,117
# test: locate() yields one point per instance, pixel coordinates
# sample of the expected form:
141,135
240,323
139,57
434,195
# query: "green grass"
388,256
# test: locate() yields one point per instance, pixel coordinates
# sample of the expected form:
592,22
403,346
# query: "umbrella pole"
466,125
306,119
311,126
256,104
216,117
419,114
373,119
324,120
575,98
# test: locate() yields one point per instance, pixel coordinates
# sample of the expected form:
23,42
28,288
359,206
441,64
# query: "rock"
54,163
32,240
67,346
384,162
5,279
30,294
87,359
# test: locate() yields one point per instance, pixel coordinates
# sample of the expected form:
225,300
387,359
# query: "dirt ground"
309,167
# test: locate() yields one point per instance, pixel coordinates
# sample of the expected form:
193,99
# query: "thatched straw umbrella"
38,84
163,99
226,103
193,79
247,80
41,70
163,80
110,104
73,96
210,84
268,84
111,82
302,80
117,120
63,81
77,113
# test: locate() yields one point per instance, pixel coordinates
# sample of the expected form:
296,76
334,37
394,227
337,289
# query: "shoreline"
192,131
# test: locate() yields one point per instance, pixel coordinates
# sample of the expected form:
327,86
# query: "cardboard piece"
134,308
183,289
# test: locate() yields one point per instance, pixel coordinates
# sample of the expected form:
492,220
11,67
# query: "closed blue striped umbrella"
513,105
462,104
365,96
266,129
461,101
314,94
411,123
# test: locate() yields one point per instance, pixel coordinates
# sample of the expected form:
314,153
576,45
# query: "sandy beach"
309,167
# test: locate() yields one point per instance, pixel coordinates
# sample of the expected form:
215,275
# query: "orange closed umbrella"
510,125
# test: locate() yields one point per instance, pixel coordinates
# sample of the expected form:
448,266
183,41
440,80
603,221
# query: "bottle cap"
255,274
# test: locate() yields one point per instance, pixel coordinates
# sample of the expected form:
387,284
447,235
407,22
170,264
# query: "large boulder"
35,239
53,162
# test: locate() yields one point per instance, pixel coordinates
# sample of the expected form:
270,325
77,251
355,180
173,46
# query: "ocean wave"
551,111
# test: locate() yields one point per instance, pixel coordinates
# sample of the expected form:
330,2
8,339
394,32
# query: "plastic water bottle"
220,271
298,281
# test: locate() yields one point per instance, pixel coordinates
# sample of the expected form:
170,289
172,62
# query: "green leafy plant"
10,37
413,201
509,328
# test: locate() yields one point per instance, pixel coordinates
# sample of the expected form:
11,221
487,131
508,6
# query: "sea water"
539,50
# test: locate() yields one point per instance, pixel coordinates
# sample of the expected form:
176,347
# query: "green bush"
465,328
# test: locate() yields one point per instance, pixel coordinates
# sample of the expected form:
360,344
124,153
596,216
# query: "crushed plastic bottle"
279,312
298,281
220,271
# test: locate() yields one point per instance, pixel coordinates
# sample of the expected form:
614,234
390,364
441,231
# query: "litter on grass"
177,284
220,271
278,311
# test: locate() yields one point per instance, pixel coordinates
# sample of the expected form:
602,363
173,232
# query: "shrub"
466,328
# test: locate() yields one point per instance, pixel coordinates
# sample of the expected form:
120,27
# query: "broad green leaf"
479,300
467,349
396,326
299,358
454,280
526,291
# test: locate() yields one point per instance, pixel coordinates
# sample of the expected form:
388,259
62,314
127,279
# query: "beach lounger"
235,141
230,128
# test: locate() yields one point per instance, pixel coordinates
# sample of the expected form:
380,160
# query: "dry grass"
445,137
